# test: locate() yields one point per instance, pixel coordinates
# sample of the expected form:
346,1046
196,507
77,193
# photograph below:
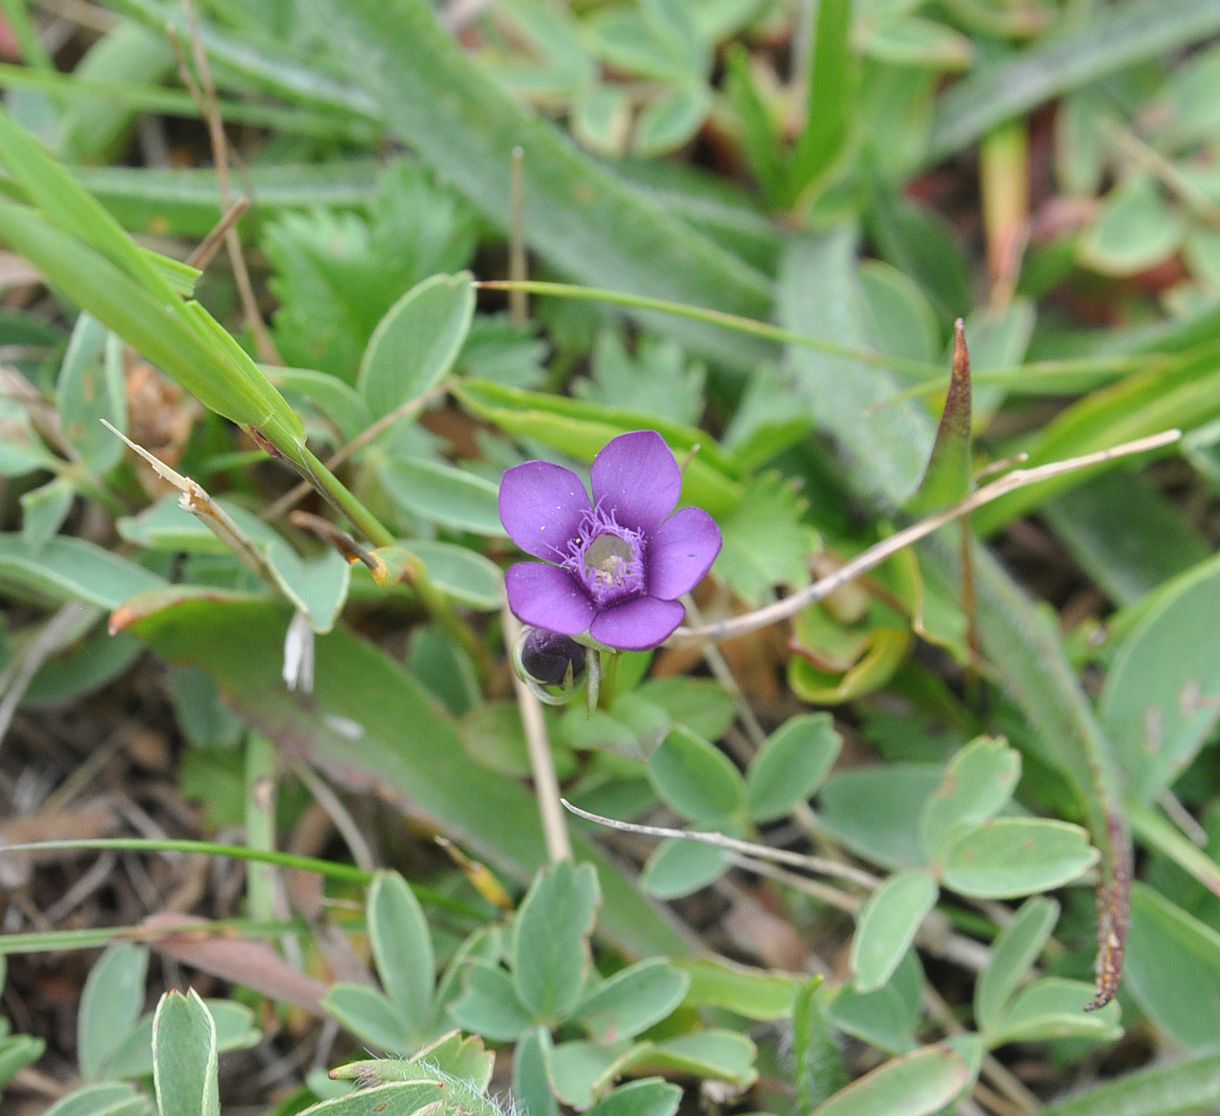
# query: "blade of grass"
1117,36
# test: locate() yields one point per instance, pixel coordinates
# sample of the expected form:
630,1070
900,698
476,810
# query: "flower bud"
550,658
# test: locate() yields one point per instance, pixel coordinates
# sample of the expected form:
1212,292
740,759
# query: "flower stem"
433,600
610,661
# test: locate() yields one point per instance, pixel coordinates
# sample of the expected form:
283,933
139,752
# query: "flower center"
607,559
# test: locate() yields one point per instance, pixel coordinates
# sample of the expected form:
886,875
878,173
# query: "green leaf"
461,574
550,948
1123,34
1136,230
679,867
400,1098
829,102
107,1099
1015,949
372,716
67,569
752,993
317,586
718,1054
700,704
650,1097
489,1004
329,396
916,1084
91,387
1173,969
581,429
1053,1008
912,41
531,1085
414,346
815,1046
791,765
234,1031
696,778
43,511
670,120
579,216
949,476
658,379
369,1015
1176,1089
184,1057
1153,702
1011,857
632,1000
875,810
766,541
110,1007
181,338
17,1052
402,948
444,494
978,781
840,393
886,926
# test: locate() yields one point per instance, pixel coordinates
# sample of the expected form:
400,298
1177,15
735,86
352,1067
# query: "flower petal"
680,552
547,597
637,478
638,625
540,506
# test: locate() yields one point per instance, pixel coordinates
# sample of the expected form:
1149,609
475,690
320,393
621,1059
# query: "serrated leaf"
978,781
185,1057
1015,949
887,924
791,765
696,778
550,941
658,378
415,345
766,542
402,948
1010,857
402,1099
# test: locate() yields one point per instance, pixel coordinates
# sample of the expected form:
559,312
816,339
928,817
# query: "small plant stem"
518,305
260,824
609,692
340,456
887,548
542,765
723,674
337,493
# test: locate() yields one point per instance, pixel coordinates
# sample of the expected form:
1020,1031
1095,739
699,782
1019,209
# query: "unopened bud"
551,658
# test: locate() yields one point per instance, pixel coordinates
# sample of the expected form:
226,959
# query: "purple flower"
621,561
